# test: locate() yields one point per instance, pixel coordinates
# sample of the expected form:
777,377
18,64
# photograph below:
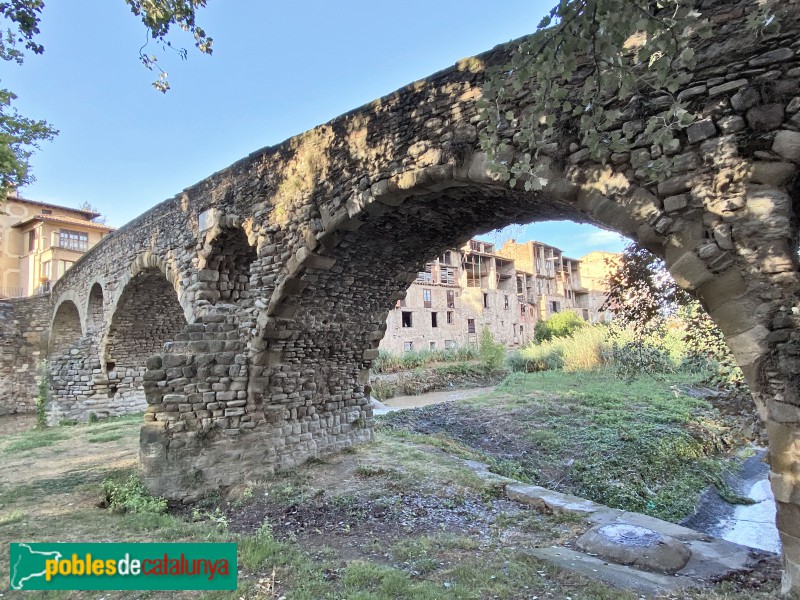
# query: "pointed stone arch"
95,308
224,263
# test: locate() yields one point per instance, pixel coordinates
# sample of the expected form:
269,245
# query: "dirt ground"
399,503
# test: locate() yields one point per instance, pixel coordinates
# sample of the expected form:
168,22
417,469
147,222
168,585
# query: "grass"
418,566
641,445
34,439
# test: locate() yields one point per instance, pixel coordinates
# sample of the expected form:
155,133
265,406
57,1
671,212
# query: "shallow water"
404,402
754,525
751,525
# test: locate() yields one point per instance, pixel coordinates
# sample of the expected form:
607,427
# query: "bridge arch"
145,313
224,263
66,326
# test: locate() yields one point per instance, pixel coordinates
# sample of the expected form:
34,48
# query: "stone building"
507,290
594,268
40,241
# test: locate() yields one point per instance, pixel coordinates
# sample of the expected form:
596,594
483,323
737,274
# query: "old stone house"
507,290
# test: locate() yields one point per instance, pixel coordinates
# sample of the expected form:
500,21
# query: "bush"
634,358
586,349
561,324
131,496
491,353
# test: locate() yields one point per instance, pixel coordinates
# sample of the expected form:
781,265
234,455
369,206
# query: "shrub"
637,357
383,390
561,324
586,349
131,496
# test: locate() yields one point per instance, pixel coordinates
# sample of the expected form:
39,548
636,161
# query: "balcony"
73,245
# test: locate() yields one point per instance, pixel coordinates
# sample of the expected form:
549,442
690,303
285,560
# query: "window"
451,299
434,320
73,240
449,317
408,346
520,329
449,344
426,298
46,270
505,301
407,321
522,310
554,307
433,345
470,325
32,240
447,276
446,258
63,265
486,301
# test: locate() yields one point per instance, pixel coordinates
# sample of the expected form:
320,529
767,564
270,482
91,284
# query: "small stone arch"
95,310
224,265
66,327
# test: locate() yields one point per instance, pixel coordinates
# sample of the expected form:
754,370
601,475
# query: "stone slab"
618,576
557,502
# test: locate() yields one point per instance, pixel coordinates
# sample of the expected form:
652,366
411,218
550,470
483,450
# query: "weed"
391,363
131,496
43,391
371,471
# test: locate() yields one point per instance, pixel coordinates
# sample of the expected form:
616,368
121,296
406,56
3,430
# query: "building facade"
507,290
40,241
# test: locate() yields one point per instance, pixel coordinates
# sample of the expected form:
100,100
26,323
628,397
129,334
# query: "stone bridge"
244,313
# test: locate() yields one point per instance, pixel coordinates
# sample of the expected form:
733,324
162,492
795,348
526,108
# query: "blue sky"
278,69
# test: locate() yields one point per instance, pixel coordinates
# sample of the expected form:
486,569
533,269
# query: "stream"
751,525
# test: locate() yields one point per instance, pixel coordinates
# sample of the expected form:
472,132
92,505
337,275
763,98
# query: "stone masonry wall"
23,345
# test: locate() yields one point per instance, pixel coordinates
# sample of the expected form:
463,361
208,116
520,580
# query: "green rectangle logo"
98,566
